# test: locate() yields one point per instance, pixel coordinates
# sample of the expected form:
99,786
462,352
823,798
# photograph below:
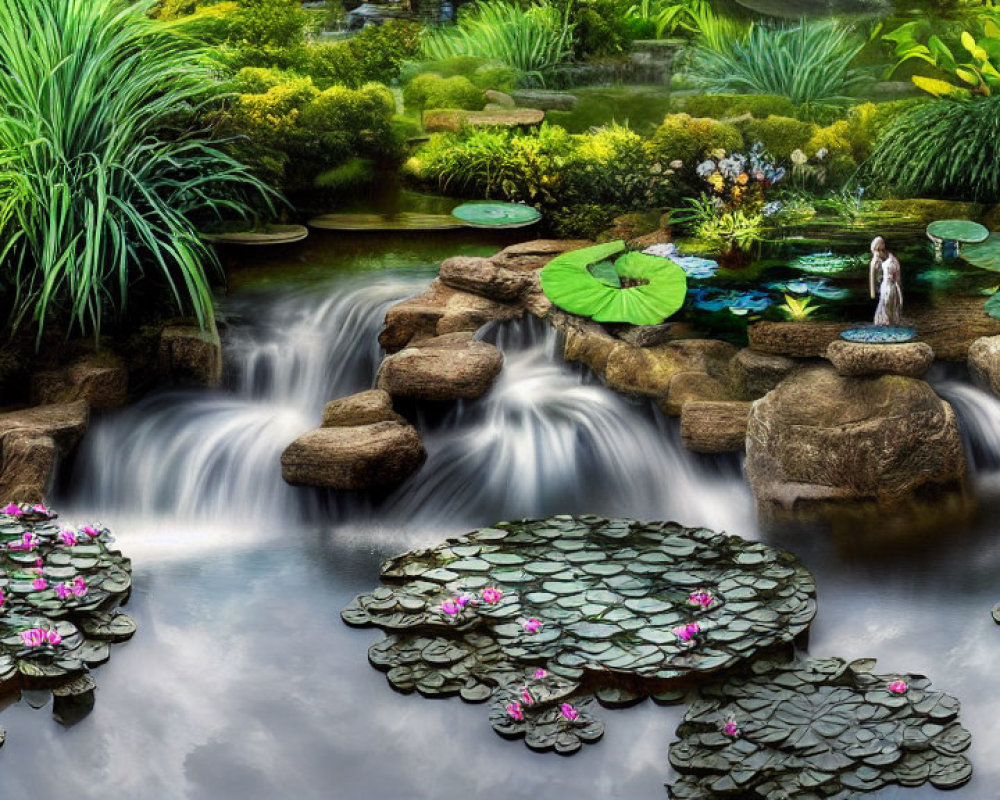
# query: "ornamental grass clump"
530,40
102,172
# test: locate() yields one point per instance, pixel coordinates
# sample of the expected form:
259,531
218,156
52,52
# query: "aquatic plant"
101,171
798,308
816,728
942,148
531,40
637,289
898,687
611,592
737,301
809,63
817,287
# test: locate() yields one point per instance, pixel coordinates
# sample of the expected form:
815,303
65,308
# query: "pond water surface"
242,681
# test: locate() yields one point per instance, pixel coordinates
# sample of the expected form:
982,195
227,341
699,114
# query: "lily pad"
828,263
985,255
737,301
815,287
497,215
638,289
668,612
957,230
816,728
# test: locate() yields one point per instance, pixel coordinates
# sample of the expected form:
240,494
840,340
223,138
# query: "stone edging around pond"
713,386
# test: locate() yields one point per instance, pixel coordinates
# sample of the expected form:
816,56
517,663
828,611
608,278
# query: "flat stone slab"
405,221
272,234
442,369
715,427
363,408
454,120
794,339
912,359
356,457
538,614
753,374
817,728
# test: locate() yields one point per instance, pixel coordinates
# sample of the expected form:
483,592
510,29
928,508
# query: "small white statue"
890,295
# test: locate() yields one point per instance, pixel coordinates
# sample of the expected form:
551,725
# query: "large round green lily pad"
985,255
817,728
62,587
568,606
637,289
958,230
497,215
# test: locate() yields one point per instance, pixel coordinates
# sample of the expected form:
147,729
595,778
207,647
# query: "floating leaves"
567,607
817,728
61,589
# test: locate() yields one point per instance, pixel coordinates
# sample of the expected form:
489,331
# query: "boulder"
546,100
533,255
485,277
501,99
453,120
707,355
753,374
689,387
650,335
32,442
984,363
190,355
794,339
821,443
645,371
715,427
586,342
451,367
364,408
355,457
101,381
912,359
439,310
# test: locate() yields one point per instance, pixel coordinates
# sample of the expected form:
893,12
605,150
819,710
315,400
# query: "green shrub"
258,80
942,149
268,24
585,221
352,174
781,136
210,24
722,106
103,171
496,163
328,64
610,166
433,91
482,72
682,137
380,50
340,122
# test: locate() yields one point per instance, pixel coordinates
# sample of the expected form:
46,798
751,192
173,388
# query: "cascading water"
546,439
979,414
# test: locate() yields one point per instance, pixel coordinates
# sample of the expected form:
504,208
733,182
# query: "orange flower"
743,179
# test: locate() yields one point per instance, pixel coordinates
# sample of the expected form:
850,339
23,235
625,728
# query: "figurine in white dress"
890,295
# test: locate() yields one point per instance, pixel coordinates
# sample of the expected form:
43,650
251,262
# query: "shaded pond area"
243,681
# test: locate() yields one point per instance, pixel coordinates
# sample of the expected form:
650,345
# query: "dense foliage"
101,172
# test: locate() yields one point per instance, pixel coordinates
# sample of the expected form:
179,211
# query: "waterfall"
979,416
546,439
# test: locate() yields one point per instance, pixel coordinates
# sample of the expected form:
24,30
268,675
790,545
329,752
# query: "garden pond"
243,681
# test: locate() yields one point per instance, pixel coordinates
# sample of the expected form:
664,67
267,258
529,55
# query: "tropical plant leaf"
654,288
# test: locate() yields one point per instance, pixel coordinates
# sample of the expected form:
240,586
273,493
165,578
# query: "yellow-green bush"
834,139
682,137
482,72
781,136
866,122
722,106
431,90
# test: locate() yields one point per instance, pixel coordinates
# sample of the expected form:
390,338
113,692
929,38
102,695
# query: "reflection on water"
242,681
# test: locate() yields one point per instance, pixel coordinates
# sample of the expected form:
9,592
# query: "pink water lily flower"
40,509
515,712
702,599
450,607
79,587
569,712
540,673
898,687
63,591
492,595
26,542
532,625
3,598
39,564
90,531
731,729
526,697
11,510
463,600
687,632
36,637
39,583
68,538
